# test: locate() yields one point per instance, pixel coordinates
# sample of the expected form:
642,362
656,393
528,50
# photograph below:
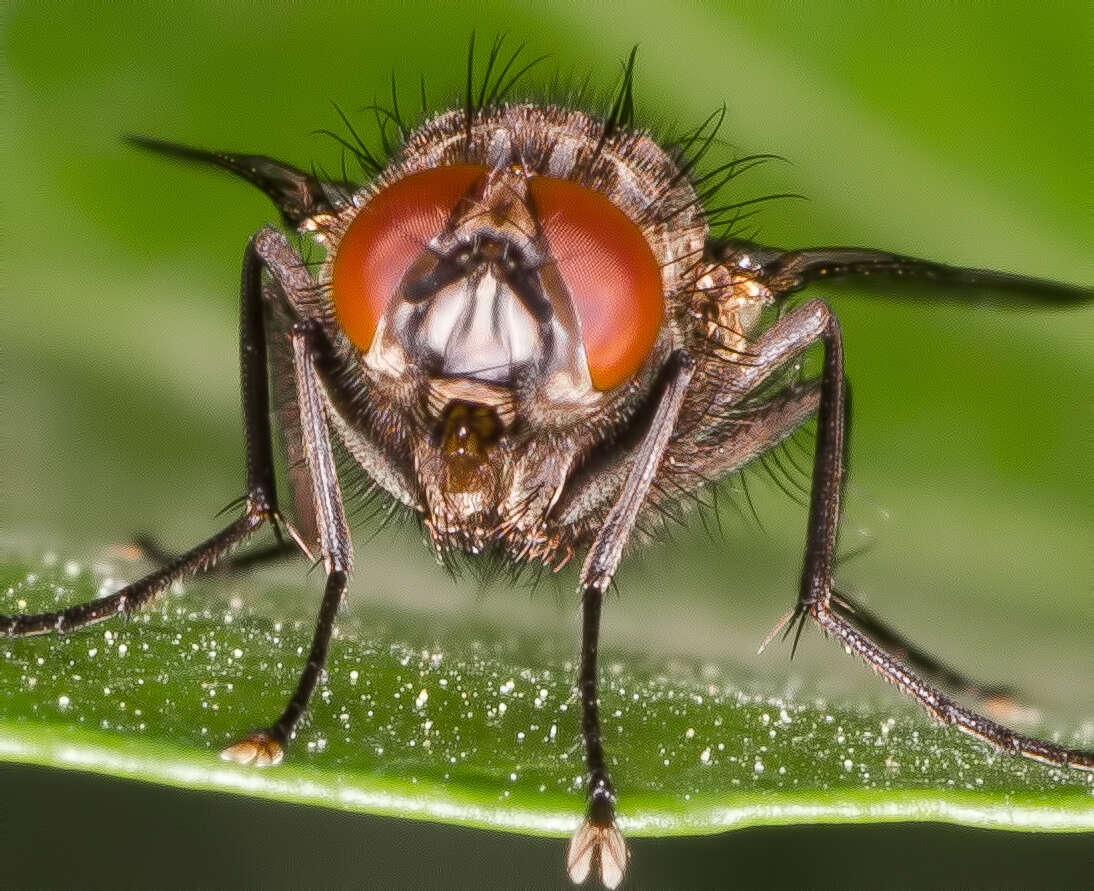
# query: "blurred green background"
952,133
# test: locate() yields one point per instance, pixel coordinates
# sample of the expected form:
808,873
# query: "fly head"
503,299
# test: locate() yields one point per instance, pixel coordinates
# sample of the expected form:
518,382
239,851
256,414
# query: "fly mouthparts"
468,428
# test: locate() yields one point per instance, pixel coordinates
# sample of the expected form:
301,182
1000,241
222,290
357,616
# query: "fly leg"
816,322
735,432
597,840
260,501
927,664
266,747
287,549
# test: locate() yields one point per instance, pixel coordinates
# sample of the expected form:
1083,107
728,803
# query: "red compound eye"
385,238
613,278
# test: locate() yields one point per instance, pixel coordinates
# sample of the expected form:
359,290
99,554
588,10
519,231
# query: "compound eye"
384,240
611,273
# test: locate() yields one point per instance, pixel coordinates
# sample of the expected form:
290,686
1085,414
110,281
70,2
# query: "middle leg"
815,595
259,502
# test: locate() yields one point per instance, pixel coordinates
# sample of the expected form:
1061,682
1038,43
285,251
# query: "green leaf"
474,731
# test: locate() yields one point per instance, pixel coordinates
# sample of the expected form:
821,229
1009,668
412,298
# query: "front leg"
597,840
266,747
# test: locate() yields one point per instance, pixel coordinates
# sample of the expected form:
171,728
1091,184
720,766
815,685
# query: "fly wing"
784,272
301,197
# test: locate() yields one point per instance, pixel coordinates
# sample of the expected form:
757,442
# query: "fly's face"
508,295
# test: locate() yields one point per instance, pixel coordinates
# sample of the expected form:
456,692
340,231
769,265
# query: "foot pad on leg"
602,845
258,748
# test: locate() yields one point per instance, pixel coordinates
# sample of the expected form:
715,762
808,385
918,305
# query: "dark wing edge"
787,271
298,195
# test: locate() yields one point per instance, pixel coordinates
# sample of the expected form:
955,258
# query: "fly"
525,333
